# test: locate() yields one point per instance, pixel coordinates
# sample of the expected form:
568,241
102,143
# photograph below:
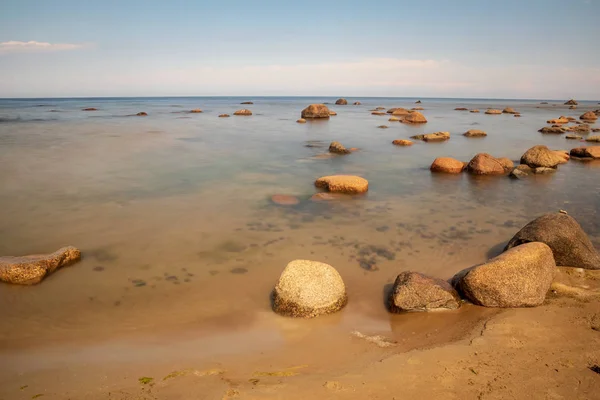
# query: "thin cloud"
32,46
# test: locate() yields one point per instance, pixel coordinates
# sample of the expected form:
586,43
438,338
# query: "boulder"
284,200
244,112
461,109
315,111
493,112
586,152
474,111
307,289
506,163
341,102
398,111
573,136
433,137
474,133
509,110
589,116
569,103
559,120
415,117
521,171
553,129
413,291
223,115
566,238
563,155
29,270
519,277
447,165
593,138
142,114
343,184
485,164
338,148
418,102
196,111
540,156
301,121
357,103
402,142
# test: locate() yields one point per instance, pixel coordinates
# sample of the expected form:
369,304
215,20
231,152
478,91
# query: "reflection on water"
175,224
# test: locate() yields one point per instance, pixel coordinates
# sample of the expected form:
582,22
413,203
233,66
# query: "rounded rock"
315,111
343,184
447,165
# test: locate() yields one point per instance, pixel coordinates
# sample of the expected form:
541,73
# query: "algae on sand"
144,380
292,371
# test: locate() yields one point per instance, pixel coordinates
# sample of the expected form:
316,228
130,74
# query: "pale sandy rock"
343,184
29,270
413,291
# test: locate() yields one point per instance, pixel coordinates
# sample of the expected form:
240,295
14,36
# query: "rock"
377,113
90,109
402,142
196,111
380,108
559,120
474,111
581,128
563,155
418,102
509,110
572,119
553,129
589,116
474,133
244,112
540,156
461,109
415,117
338,148
570,103
413,291
246,102
394,119
383,126
332,113
519,277
307,289
572,107
357,103
417,109
517,115
316,111
142,114
544,102
586,152
485,164
436,137
284,200
593,138
566,238
573,136
29,270
447,165
223,115
301,121
506,163
543,170
341,102
595,129
521,171
398,111
493,112
326,196
343,184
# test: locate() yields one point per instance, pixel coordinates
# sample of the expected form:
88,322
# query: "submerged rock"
285,200
521,171
394,119
540,156
316,111
307,289
244,112
417,109
519,277
474,133
383,126
402,142
343,184
474,111
338,148
377,113
485,164
447,165
341,102
29,270
413,291
586,152
569,243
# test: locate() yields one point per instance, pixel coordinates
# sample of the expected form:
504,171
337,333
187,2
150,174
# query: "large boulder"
540,156
447,165
338,148
29,270
485,164
586,152
413,291
307,289
519,277
474,133
589,116
566,238
315,111
343,184
414,117
341,102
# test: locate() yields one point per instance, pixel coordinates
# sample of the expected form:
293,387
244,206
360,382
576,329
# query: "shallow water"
172,210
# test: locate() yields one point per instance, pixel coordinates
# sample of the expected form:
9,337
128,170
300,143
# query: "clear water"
172,210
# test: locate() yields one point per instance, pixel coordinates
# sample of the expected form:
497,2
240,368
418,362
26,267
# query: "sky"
537,49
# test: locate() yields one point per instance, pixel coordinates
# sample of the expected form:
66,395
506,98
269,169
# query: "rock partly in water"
589,116
383,126
338,148
557,130
433,137
540,156
413,291
315,111
357,103
474,133
509,110
447,165
461,109
474,111
572,136
246,102
563,155
307,289
196,111
29,270
569,103
580,128
378,113
90,109
560,120
301,121
285,200
485,164
341,102
223,115
142,114
394,119
593,138
492,111
398,111
418,102
569,243
402,142
414,117
519,277
244,112
343,184
586,152
521,171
